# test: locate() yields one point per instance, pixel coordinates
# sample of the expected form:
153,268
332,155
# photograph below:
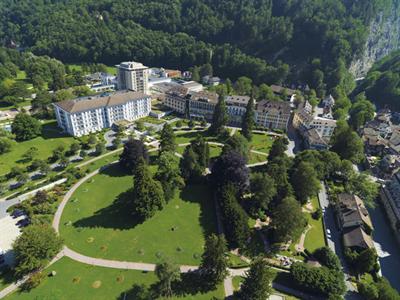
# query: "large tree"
305,181
279,147
347,143
134,151
190,167
167,139
263,190
361,111
35,247
148,194
5,145
202,150
288,220
25,127
234,217
168,174
237,143
258,282
167,273
248,121
220,117
230,167
214,263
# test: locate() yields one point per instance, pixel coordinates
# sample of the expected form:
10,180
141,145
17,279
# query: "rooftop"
280,89
237,99
279,106
131,65
352,210
98,101
356,237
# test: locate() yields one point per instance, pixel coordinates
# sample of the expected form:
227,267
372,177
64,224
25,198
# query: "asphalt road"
334,239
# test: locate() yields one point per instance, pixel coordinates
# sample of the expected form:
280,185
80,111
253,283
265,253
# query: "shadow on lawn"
201,194
118,215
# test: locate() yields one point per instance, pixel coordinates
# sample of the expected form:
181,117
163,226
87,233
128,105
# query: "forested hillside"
318,39
382,84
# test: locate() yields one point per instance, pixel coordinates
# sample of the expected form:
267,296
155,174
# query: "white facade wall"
86,122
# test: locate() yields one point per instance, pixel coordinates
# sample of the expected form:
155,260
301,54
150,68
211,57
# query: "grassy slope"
102,226
315,236
74,281
46,143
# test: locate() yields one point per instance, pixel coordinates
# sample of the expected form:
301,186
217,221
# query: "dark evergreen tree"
202,150
278,148
214,263
230,167
147,192
248,121
167,139
134,151
190,168
220,117
258,282
234,218
168,174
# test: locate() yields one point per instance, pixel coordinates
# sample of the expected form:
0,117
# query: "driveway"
334,238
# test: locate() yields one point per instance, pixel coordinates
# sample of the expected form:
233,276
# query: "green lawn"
50,139
187,137
97,222
315,237
75,280
152,120
261,142
256,158
110,69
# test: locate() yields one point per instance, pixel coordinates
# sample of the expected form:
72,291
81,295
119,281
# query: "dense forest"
382,83
257,38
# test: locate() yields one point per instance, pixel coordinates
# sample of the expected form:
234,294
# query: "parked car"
17,213
24,222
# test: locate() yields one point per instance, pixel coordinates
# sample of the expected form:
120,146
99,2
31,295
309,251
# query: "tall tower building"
133,76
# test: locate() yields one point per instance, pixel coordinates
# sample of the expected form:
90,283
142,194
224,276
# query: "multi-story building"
316,130
273,114
201,105
390,197
354,222
90,114
133,76
236,107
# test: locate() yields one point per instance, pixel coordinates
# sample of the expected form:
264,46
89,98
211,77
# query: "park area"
75,280
97,221
50,139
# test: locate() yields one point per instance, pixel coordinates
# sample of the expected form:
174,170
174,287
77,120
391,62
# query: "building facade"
273,114
201,105
90,114
133,76
390,198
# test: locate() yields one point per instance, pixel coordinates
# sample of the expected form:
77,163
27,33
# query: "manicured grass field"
187,137
152,120
50,139
75,280
261,142
97,222
315,237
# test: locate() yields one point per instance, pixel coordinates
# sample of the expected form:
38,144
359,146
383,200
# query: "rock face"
383,38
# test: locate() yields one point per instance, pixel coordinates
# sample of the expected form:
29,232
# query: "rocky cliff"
383,38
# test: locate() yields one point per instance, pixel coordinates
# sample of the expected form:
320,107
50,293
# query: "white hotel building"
90,114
